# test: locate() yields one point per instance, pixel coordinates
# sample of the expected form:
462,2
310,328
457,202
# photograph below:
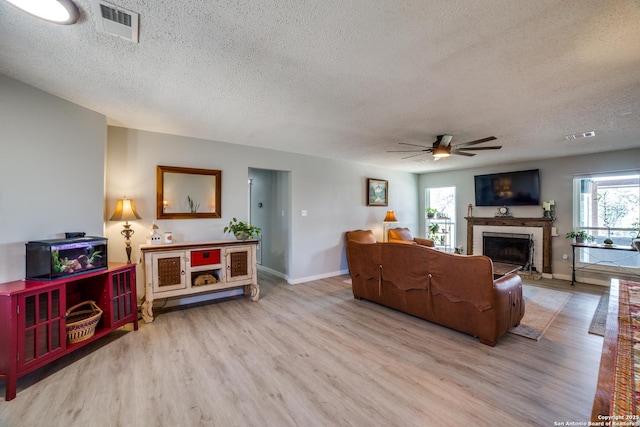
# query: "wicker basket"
81,324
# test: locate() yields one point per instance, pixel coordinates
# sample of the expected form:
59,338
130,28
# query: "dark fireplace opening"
508,248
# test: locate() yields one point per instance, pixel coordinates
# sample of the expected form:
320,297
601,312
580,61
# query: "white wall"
556,183
51,171
332,192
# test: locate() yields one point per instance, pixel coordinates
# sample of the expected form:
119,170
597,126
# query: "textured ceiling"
351,79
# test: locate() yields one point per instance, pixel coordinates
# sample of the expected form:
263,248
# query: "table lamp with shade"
126,211
388,219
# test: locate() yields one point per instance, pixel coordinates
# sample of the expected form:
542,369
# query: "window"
607,206
442,228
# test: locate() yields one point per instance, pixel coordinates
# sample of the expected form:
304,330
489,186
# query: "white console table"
188,268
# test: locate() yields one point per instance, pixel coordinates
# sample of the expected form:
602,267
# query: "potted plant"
580,236
433,232
242,230
431,212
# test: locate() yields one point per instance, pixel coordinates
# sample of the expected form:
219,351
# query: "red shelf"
32,321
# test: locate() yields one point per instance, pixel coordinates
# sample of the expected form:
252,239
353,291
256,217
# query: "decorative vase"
241,235
579,239
636,243
608,241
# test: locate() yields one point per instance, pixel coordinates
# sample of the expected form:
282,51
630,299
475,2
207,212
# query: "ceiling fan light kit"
441,152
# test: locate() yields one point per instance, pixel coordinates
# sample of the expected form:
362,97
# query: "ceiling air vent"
116,21
589,134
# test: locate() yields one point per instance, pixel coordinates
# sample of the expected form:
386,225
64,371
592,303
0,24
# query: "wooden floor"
312,355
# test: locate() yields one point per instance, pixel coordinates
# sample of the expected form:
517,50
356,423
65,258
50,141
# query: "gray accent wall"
311,246
52,171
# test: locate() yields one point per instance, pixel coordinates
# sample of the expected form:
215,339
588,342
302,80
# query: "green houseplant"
580,236
433,231
431,212
242,230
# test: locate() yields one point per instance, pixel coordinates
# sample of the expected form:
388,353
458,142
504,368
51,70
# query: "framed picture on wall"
377,192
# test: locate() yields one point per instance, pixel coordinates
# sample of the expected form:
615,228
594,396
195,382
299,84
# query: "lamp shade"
390,217
125,211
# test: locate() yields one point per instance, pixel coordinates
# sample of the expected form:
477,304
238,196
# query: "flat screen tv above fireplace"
520,188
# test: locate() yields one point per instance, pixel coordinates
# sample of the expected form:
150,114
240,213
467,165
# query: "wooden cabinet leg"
147,311
10,388
255,292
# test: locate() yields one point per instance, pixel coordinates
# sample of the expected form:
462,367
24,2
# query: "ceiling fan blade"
478,141
427,150
415,155
493,147
462,153
415,145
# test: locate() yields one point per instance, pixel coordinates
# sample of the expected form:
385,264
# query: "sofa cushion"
361,236
400,234
403,235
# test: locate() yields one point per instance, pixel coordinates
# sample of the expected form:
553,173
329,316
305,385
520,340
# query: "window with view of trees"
442,200
607,207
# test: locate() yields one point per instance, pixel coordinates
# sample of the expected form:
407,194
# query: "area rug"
599,321
626,388
541,307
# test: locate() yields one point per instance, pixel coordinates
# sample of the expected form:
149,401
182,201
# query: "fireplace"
539,228
508,248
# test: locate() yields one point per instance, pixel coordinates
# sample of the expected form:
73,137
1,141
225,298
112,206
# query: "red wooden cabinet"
33,323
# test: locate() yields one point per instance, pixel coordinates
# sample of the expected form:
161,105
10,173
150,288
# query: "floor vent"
116,21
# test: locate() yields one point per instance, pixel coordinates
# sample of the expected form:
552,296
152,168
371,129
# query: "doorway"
269,209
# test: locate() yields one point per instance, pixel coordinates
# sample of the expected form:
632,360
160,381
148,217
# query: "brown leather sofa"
456,291
403,235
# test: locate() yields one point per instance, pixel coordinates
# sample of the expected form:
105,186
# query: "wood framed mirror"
188,193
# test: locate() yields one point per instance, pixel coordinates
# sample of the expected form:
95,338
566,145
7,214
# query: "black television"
520,188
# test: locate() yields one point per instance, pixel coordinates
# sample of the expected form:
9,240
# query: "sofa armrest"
508,283
424,242
508,291
404,242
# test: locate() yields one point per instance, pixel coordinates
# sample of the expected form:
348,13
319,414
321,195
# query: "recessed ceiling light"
58,11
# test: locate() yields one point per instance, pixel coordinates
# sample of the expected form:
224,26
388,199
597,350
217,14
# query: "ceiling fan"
442,147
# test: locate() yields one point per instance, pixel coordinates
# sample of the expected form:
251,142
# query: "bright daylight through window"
440,226
607,206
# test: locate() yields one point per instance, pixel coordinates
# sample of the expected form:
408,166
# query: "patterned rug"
599,320
541,307
626,390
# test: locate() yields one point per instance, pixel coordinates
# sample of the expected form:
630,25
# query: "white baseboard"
586,280
318,277
271,271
